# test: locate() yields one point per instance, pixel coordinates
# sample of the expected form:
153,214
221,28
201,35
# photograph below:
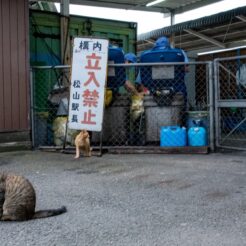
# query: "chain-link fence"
146,104
49,102
230,102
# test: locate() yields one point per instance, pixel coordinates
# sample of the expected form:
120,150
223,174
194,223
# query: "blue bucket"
197,118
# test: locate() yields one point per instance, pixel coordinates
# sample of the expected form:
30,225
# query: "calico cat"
18,200
82,141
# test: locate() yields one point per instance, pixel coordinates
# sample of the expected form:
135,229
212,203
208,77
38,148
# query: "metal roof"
224,30
166,6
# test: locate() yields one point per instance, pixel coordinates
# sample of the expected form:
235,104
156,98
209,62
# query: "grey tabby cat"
18,200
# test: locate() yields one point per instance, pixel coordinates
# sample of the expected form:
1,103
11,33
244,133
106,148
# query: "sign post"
89,67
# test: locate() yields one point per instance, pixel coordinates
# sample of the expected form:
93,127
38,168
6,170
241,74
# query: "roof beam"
241,17
131,5
233,45
150,41
204,37
126,6
235,36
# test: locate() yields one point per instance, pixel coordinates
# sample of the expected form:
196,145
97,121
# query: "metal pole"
211,105
101,134
32,108
64,44
65,58
65,7
101,143
172,20
216,98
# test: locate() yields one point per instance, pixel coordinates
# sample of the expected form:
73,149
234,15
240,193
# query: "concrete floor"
132,199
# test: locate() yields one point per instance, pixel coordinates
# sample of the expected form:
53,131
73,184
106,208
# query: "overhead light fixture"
154,2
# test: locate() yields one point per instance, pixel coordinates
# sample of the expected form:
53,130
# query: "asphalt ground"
132,199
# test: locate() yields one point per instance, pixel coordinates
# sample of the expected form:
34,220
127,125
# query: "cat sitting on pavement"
82,142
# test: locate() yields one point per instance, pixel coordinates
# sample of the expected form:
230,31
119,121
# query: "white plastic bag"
59,128
241,76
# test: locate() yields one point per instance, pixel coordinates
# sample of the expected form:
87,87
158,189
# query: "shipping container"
45,34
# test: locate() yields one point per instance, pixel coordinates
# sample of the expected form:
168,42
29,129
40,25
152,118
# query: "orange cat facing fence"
82,142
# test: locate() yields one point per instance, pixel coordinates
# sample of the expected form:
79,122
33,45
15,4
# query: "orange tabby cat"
82,141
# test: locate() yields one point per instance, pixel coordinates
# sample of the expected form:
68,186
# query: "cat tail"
49,212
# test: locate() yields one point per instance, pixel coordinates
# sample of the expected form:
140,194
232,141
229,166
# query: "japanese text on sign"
87,83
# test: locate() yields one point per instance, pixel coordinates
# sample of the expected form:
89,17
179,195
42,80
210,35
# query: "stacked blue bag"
117,76
162,52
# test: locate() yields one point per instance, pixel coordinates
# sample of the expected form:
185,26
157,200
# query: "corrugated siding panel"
14,105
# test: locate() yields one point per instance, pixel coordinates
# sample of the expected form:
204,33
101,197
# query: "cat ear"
86,134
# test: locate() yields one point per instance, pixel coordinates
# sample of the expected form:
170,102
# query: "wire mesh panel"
150,104
50,95
116,123
231,102
154,96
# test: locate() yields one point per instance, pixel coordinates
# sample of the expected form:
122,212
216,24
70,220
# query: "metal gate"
230,102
